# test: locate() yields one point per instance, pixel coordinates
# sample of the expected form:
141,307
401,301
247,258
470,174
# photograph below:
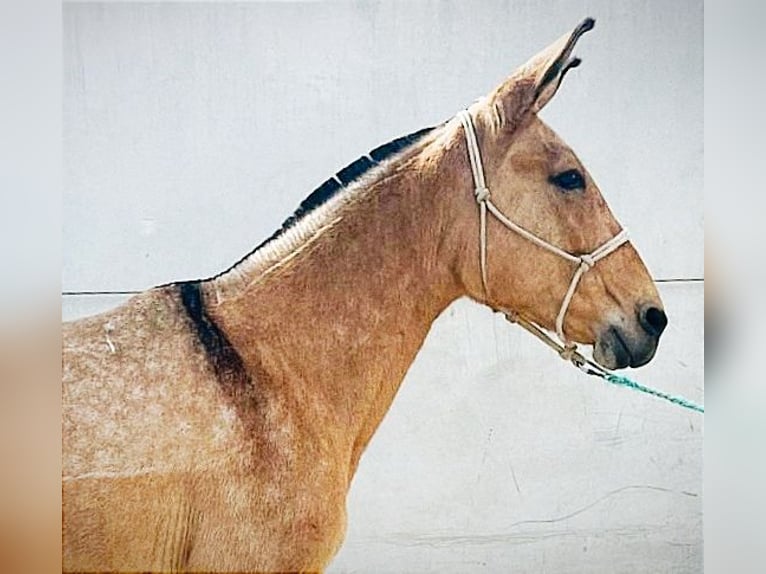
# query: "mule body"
216,425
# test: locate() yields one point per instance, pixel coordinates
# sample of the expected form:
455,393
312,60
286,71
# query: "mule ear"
534,84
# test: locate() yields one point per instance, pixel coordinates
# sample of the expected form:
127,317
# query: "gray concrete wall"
192,130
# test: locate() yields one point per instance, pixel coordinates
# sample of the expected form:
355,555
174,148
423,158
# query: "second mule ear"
534,84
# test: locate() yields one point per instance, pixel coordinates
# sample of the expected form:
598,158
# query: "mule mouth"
616,349
610,350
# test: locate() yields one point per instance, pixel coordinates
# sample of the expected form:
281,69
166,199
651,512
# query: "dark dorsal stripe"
349,174
339,181
222,356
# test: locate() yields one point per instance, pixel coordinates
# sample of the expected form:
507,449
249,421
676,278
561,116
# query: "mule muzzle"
632,344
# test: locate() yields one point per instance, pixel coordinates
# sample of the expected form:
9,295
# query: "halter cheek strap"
583,262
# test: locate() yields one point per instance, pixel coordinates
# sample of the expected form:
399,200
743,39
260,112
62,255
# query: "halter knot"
482,194
568,352
587,260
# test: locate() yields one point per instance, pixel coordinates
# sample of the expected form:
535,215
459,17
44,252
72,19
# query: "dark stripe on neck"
338,182
350,174
222,356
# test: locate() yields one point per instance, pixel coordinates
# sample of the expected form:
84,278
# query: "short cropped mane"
337,183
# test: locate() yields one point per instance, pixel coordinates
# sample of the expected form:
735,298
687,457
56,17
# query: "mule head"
537,182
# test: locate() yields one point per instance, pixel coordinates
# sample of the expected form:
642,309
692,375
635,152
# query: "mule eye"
568,180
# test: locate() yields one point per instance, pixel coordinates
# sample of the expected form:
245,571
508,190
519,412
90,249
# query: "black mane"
338,182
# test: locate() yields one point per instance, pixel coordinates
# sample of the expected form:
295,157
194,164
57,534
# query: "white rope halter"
584,262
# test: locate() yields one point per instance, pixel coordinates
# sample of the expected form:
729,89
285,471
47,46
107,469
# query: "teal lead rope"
626,382
569,353
592,368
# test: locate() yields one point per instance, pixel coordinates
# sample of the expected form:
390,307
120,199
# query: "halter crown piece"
566,348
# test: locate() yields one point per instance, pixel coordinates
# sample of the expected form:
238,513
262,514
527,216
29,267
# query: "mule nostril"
653,320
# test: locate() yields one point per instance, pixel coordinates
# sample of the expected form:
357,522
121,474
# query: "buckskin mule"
216,425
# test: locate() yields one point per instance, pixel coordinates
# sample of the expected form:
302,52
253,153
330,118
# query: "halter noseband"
567,349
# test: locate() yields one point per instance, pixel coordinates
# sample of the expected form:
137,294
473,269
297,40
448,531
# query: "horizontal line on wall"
78,293
97,293
680,280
